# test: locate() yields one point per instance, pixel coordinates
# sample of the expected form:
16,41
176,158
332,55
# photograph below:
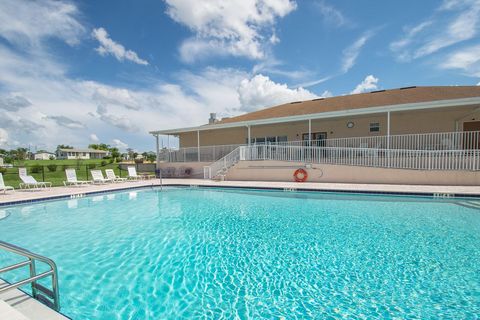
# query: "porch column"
388,130
310,132
249,138
158,151
198,145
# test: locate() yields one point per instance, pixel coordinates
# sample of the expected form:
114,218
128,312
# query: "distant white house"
83,154
44,155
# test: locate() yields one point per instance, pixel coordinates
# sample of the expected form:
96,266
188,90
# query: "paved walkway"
21,195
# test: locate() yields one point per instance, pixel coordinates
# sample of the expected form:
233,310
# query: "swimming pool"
233,253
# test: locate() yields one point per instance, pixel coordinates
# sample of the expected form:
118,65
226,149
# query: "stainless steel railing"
49,297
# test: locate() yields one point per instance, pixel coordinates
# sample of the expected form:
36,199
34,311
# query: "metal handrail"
38,291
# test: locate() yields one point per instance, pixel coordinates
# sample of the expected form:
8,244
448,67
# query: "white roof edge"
330,114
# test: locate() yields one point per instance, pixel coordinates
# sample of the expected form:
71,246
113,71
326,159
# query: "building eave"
325,115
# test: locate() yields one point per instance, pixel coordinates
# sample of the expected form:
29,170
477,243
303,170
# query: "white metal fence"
419,141
369,157
195,154
465,140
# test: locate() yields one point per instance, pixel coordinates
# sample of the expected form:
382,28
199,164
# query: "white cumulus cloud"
94,138
454,21
259,92
465,59
108,46
234,27
119,144
330,14
350,54
369,83
30,22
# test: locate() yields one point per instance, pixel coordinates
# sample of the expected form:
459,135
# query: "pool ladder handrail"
51,298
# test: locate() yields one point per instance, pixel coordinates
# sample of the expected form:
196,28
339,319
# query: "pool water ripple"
244,254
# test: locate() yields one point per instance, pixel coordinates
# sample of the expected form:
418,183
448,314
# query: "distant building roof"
84,150
407,98
42,151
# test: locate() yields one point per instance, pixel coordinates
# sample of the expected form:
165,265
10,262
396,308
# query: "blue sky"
80,72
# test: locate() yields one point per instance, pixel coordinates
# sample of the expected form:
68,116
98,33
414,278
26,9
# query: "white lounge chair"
97,177
132,174
111,175
72,179
29,182
3,187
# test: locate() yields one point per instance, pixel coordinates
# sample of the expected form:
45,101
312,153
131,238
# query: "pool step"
472,204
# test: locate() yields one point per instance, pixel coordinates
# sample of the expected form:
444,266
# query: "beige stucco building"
411,118
411,110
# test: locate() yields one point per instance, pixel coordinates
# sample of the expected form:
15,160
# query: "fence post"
119,170
43,173
86,170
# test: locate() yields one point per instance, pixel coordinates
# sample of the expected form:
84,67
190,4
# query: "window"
374,126
262,140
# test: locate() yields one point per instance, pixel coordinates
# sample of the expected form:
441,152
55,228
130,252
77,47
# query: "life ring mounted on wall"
300,175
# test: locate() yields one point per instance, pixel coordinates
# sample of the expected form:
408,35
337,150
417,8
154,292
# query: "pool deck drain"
76,192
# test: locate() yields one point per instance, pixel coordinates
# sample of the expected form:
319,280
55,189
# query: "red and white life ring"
300,175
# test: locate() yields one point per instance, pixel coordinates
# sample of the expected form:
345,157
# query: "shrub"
111,161
36,168
92,165
103,163
3,170
52,167
139,160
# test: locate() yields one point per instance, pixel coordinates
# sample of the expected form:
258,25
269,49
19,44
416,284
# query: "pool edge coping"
72,195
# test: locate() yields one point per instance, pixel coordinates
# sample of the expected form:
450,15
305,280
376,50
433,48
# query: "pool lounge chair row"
30,183
98,177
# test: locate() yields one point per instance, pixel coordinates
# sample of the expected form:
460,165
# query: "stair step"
46,301
49,293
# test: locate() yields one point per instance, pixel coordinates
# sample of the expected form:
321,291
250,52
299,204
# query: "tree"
100,146
131,154
64,146
21,154
114,152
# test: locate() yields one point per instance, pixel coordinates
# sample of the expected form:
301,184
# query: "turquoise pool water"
245,254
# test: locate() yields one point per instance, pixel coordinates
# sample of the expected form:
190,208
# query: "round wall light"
350,124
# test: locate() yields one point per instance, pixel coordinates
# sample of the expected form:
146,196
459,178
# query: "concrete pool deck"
22,195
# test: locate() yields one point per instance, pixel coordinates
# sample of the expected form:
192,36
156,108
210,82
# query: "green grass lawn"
58,176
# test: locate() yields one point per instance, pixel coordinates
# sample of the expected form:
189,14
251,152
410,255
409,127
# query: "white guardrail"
466,140
221,166
370,157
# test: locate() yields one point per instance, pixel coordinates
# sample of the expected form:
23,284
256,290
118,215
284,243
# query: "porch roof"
403,99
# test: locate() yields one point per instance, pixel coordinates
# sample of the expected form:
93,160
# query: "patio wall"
283,171
197,167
